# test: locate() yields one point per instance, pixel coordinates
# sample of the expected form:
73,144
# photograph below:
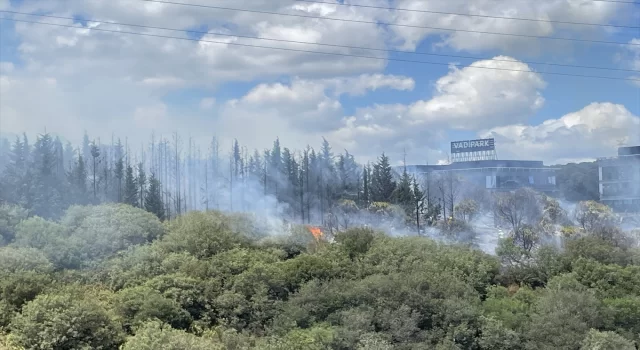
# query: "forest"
101,248
303,186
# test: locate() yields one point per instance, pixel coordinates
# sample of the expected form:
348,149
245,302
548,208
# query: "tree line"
169,179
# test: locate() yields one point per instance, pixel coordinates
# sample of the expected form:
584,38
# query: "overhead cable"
390,24
317,52
322,44
467,14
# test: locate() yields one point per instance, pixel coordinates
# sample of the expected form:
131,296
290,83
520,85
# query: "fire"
315,231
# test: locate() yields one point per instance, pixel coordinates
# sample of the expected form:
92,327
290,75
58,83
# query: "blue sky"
71,80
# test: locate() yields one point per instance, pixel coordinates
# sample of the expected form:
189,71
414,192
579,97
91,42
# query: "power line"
618,1
468,14
316,52
390,24
324,44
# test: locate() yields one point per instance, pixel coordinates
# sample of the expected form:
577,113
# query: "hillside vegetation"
115,277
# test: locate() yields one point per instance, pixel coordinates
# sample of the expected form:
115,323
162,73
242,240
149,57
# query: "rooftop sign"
473,146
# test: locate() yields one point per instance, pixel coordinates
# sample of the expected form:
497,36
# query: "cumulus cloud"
207,103
299,111
106,82
470,98
553,10
633,56
594,131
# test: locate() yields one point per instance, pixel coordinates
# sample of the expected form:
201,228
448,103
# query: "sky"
83,76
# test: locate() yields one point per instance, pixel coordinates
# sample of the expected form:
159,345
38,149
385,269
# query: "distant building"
620,180
498,175
476,162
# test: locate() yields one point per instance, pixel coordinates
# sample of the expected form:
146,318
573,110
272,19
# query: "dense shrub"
210,281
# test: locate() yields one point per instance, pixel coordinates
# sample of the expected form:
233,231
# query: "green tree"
10,217
155,335
65,320
597,340
95,153
17,179
594,217
403,194
467,210
141,182
78,182
48,201
382,182
130,188
153,199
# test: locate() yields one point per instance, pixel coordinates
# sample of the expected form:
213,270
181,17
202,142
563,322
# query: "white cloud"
553,10
207,103
360,85
300,112
106,83
594,131
467,99
472,98
148,117
632,58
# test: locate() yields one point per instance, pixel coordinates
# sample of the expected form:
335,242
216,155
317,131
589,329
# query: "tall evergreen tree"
418,201
237,159
78,182
95,154
255,165
141,181
86,147
48,201
153,200
58,151
130,188
366,185
403,193
382,182
17,180
275,170
69,156
119,171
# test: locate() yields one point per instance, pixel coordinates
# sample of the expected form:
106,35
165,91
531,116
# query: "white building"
620,180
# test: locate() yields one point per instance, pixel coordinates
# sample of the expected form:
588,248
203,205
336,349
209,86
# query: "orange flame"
315,231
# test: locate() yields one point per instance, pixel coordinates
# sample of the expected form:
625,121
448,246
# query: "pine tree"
418,202
130,188
289,172
86,147
48,201
17,178
69,156
141,181
366,185
58,151
119,170
403,193
382,180
95,153
305,175
153,199
78,182
237,159
275,168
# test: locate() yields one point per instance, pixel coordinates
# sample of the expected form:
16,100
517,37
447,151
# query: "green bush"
67,319
155,335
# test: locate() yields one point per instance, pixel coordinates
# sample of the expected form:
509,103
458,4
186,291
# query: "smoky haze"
278,186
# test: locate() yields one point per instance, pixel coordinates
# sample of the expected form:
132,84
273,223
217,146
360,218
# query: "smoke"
277,199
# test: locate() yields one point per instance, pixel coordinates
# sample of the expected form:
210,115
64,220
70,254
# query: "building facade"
620,180
497,175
